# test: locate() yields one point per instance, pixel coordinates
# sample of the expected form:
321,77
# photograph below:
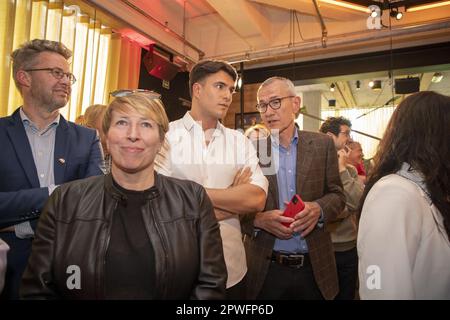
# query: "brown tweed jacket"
317,180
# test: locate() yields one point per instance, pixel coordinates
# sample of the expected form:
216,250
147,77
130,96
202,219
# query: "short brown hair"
142,103
24,57
205,68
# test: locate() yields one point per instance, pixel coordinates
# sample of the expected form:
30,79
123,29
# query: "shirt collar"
27,120
407,171
276,140
189,123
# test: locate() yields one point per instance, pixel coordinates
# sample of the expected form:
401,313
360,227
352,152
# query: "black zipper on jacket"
166,260
101,285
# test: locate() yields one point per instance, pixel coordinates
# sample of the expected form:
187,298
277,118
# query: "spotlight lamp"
358,84
376,85
332,87
395,13
371,83
437,77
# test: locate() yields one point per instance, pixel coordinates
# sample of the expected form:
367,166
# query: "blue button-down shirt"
42,143
286,179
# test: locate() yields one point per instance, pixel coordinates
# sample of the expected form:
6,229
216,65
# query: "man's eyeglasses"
58,73
274,104
127,92
346,133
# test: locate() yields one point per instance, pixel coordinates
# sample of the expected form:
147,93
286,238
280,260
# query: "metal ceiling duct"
336,41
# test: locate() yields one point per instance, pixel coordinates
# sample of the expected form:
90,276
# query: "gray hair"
289,84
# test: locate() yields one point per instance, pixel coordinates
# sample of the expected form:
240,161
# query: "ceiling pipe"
322,25
337,40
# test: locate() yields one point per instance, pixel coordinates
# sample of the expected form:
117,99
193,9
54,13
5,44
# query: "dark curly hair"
333,125
419,133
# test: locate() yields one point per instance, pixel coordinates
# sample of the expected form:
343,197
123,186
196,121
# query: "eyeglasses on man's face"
127,92
274,104
58,73
346,133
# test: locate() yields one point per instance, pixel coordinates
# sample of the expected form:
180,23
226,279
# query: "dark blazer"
21,197
317,180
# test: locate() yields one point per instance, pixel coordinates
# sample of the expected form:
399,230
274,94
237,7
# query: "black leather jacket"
74,230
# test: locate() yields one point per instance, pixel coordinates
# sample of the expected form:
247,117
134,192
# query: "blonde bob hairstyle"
151,108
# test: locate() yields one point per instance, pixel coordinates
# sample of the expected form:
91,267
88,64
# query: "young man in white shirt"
199,148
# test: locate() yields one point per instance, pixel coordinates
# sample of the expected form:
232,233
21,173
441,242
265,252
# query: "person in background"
404,230
356,159
80,120
41,150
344,230
257,132
258,135
93,118
132,234
294,261
224,161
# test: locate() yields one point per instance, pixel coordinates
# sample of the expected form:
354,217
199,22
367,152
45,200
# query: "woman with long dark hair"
404,231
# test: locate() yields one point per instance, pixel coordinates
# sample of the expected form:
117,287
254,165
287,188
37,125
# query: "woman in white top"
403,238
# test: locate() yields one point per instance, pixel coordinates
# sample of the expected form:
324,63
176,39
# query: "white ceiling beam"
344,89
244,17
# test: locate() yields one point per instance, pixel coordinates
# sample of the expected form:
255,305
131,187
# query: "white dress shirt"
187,156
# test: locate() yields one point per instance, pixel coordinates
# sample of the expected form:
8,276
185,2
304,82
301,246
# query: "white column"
312,101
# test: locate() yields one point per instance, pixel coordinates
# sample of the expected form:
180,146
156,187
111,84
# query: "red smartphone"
295,206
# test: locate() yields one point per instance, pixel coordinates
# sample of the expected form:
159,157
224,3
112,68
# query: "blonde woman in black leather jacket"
131,234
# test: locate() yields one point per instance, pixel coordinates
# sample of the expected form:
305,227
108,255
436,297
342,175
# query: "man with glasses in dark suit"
41,150
294,261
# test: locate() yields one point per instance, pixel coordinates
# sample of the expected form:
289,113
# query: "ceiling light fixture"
376,85
332,87
358,84
395,13
347,5
437,77
428,6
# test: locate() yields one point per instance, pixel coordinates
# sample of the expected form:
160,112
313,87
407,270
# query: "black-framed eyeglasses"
127,92
346,133
274,104
58,73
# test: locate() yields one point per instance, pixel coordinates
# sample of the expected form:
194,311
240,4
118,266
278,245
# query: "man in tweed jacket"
295,262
